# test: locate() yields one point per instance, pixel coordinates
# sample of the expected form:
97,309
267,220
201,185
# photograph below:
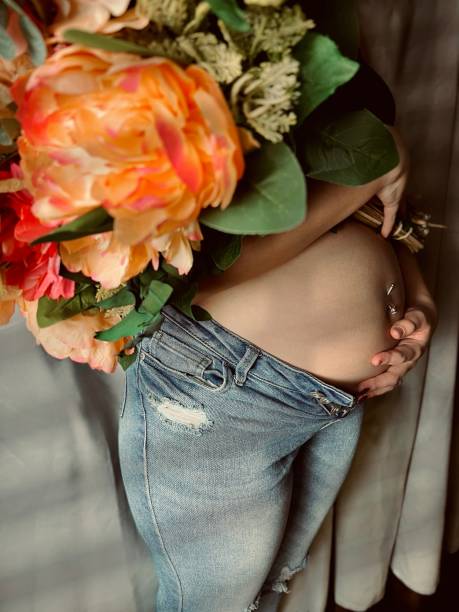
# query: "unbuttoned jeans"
231,459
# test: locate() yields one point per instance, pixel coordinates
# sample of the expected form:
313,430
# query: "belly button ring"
393,310
391,288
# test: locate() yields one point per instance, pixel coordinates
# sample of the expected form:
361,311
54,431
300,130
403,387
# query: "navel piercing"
393,310
391,288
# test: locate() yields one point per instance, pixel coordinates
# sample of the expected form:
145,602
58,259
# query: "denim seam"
147,492
345,396
123,404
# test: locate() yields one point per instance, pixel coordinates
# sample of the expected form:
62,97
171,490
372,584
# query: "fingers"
390,214
404,327
405,352
391,196
383,383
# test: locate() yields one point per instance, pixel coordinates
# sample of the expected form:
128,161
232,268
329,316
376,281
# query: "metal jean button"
338,411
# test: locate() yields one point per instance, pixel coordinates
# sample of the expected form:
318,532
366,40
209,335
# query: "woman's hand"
393,185
414,332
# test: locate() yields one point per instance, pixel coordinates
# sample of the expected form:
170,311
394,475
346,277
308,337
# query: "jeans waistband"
242,354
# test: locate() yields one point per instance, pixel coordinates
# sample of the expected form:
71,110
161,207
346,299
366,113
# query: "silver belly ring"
393,310
391,288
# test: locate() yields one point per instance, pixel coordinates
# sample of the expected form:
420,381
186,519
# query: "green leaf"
127,360
124,297
182,298
323,69
7,46
78,277
10,129
200,313
157,296
93,222
144,279
131,325
339,20
36,45
170,269
99,41
231,14
3,15
352,150
226,250
271,197
51,311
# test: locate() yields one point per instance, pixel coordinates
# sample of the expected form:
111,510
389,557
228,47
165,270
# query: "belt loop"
244,365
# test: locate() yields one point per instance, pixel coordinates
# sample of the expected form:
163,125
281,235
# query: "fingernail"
398,332
378,362
362,397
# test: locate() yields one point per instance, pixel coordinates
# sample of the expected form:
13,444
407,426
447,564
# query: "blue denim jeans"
231,459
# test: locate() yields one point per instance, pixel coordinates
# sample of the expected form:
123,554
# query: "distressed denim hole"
175,414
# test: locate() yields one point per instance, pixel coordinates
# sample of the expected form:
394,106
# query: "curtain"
391,510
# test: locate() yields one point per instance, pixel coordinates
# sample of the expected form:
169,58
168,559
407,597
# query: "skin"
328,205
413,331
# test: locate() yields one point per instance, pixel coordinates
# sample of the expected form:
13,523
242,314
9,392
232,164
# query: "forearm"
328,204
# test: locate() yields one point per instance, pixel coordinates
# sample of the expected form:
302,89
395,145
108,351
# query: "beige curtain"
391,510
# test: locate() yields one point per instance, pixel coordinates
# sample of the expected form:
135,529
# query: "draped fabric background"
67,538
391,510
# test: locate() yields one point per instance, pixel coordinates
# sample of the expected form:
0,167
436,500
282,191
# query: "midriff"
325,310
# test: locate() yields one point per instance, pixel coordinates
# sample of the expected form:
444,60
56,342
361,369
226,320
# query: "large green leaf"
230,13
337,19
93,222
323,69
100,41
36,45
51,311
271,197
352,150
124,297
131,325
137,320
157,296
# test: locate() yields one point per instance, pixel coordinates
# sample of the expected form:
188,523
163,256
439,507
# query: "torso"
325,310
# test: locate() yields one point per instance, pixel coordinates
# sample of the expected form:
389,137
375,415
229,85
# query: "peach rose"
104,259
74,337
95,16
150,141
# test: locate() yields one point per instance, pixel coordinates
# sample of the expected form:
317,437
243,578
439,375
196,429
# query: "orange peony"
74,337
150,141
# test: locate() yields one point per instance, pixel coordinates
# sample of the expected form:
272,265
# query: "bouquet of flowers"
140,141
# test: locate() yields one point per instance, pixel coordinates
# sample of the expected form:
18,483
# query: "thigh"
319,470
210,501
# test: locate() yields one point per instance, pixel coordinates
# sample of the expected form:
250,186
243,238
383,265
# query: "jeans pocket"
183,358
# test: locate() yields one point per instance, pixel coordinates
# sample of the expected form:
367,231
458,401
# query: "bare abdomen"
325,311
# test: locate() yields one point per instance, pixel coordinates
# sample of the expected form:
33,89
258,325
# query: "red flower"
34,269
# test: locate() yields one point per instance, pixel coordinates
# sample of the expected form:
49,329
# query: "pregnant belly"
326,310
